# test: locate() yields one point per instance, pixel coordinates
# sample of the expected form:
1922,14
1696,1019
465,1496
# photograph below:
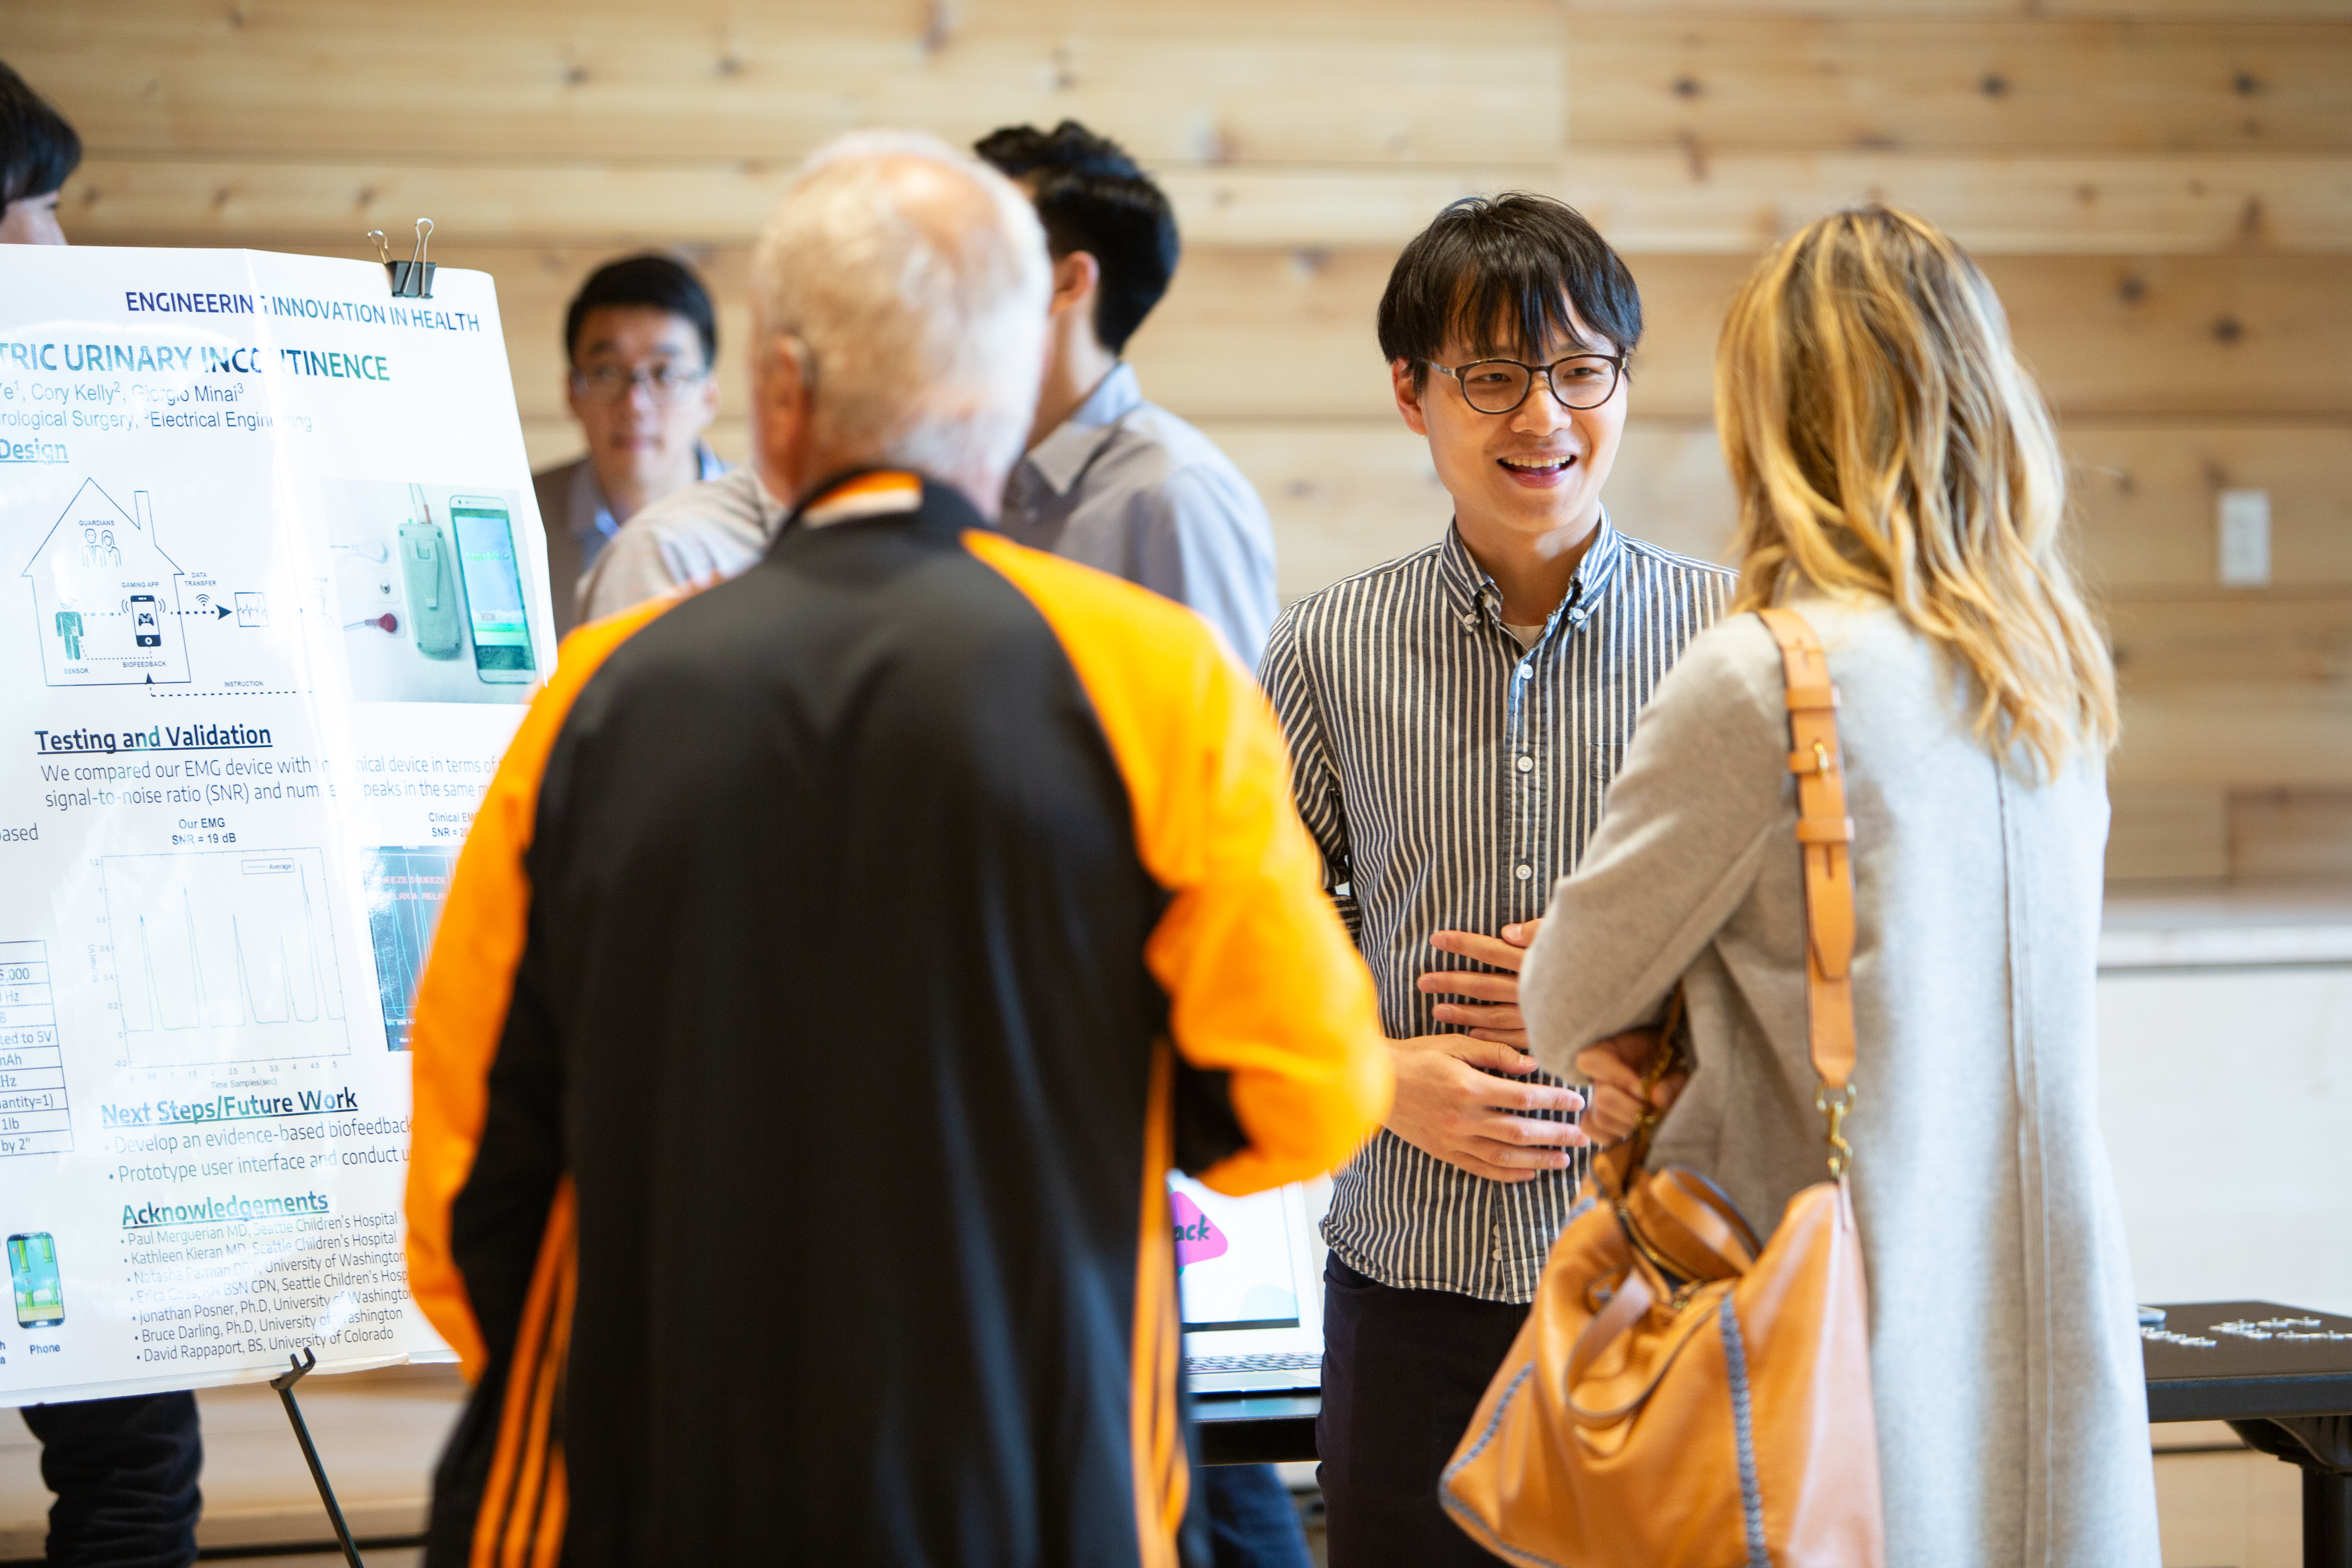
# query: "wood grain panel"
2245,336
1691,202
1970,84
2262,735
2146,494
2221,642
1648,202
2111,10
2291,833
1211,81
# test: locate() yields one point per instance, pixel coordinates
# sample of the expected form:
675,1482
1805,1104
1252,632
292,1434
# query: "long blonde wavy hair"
1883,439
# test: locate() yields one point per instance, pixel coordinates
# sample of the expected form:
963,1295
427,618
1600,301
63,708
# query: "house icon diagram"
106,598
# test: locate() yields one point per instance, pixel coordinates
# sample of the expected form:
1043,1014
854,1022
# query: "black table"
2291,1398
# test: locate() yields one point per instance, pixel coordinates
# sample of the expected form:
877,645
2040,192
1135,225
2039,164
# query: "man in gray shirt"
1110,479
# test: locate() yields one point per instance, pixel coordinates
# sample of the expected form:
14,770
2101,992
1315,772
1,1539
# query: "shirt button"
1526,672
1526,764
1525,872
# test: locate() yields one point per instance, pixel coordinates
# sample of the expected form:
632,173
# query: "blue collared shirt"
1125,486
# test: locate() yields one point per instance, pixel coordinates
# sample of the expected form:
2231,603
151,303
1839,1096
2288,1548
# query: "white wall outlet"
2245,535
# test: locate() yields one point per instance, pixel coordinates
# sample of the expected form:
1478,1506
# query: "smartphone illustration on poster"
33,1270
145,628
493,579
432,589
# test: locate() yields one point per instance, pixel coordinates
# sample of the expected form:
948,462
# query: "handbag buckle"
1834,1103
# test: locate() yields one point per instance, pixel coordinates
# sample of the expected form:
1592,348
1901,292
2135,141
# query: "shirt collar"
878,493
1062,456
587,515
1472,590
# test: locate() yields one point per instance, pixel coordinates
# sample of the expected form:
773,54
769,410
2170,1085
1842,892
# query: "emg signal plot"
224,956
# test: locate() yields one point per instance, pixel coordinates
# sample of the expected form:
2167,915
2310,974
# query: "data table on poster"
34,1116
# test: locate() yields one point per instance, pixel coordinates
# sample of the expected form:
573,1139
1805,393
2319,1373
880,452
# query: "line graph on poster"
223,956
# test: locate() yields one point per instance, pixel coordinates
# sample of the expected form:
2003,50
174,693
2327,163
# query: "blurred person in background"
1900,488
1022,826
640,343
38,151
125,1471
1110,479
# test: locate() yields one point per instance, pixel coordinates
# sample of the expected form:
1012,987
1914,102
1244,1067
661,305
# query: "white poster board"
273,591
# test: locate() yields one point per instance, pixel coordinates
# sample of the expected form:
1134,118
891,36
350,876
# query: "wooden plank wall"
2161,189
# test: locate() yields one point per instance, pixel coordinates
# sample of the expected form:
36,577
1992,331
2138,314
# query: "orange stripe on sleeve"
1162,1472
468,982
527,1466
1262,980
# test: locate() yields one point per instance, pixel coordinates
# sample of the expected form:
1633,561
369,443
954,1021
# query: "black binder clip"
413,279
284,1384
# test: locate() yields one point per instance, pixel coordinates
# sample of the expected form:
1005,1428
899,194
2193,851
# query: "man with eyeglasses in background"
639,340
1455,717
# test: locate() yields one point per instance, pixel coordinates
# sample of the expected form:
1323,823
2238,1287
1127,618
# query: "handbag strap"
1825,836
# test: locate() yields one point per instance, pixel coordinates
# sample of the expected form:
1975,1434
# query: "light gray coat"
2010,1403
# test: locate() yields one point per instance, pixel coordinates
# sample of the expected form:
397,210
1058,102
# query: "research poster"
273,594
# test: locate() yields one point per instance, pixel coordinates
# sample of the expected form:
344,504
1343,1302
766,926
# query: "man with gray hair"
839,961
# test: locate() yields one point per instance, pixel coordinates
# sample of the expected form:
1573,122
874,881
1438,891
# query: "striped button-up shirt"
1450,776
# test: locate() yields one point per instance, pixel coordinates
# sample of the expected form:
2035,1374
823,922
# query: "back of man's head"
1091,196
38,149
649,281
916,279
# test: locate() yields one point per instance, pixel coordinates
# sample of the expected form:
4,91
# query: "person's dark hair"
1500,272
1090,197
658,281
38,149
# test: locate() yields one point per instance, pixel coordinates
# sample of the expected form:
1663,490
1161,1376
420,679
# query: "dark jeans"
125,1474
1252,1523
1402,1374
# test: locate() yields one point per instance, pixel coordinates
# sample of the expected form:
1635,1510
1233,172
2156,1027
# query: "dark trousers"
1252,1523
125,1474
1402,1374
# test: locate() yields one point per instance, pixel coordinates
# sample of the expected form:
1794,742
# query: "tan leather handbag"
1681,1396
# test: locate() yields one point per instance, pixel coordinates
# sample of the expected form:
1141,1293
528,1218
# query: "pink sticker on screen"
1197,1237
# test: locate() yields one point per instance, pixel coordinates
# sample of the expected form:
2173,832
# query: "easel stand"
284,1384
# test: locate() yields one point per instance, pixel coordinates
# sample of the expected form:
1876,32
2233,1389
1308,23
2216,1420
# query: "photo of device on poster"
494,602
439,589
33,1272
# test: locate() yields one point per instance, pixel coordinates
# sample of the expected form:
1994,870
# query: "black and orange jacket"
838,962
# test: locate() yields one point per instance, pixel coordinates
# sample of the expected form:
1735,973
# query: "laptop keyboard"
1290,1360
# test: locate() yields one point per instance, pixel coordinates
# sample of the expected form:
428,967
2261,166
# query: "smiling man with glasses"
1455,717
639,343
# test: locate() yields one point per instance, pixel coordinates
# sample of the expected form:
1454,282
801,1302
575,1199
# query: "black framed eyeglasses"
664,383
1500,385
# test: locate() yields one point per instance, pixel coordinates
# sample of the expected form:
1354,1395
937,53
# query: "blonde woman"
1900,487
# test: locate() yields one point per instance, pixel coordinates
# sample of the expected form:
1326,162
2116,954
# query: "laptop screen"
1244,1265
